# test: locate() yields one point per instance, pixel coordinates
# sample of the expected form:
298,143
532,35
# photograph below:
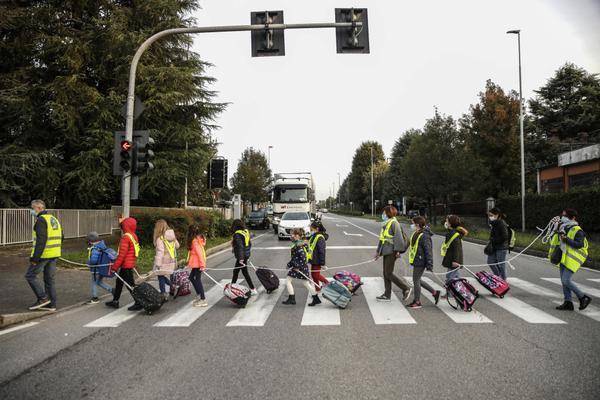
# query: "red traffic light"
126,145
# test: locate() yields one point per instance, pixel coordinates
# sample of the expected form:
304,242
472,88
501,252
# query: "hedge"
348,212
211,223
539,209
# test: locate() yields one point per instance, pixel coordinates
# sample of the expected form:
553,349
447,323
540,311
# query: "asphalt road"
517,347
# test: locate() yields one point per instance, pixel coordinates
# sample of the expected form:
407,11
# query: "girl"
165,258
420,257
497,249
129,250
391,244
197,262
316,254
452,251
241,249
298,269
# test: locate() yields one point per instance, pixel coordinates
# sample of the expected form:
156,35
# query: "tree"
359,180
252,177
393,189
63,81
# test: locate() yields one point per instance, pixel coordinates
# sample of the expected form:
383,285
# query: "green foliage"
393,189
359,179
252,177
63,81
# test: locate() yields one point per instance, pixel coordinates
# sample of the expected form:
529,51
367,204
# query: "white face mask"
384,217
33,213
493,218
413,227
446,225
564,220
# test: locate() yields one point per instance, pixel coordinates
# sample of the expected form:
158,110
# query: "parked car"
258,219
291,220
324,210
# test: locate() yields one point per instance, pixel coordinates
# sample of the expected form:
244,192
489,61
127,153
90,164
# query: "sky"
315,107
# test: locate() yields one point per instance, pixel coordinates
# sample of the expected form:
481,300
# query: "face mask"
384,217
33,213
413,227
493,218
446,225
564,220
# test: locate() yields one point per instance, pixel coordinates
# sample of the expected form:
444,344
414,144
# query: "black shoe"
93,300
436,296
135,307
567,305
584,302
383,297
112,304
291,300
49,307
315,301
39,304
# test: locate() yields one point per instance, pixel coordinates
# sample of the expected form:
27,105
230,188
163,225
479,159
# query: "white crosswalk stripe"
594,279
384,313
258,309
323,314
114,319
517,307
586,289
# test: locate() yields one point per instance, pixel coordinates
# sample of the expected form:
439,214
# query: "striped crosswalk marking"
594,279
258,309
517,307
323,314
590,312
114,319
458,316
188,314
586,289
383,313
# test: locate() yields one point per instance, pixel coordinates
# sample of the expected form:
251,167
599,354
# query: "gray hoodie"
397,243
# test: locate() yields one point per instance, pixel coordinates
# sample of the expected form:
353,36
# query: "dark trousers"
417,283
389,277
196,279
49,289
127,275
244,269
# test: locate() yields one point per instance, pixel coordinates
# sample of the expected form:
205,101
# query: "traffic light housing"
267,42
126,149
354,39
142,152
217,174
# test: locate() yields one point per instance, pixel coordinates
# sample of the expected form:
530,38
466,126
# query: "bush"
349,212
211,223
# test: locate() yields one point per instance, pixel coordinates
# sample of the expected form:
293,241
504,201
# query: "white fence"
117,210
16,224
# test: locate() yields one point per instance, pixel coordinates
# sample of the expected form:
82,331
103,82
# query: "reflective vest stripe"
573,258
136,245
312,244
169,246
385,235
53,246
414,247
246,234
447,244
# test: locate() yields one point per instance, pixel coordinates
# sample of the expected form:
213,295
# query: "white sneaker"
199,303
254,292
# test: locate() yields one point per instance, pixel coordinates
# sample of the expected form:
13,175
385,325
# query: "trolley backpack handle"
123,280
143,278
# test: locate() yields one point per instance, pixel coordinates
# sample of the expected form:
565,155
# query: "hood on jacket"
170,235
100,245
427,231
129,225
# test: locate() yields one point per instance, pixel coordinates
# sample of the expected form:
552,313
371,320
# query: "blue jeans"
568,285
97,281
163,280
496,257
452,274
49,289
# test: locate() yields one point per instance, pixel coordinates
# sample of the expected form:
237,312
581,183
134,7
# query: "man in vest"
47,241
574,249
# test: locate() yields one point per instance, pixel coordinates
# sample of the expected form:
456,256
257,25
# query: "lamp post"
372,198
518,33
269,156
339,199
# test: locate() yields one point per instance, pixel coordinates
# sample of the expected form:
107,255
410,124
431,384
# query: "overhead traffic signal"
354,39
267,42
217,174
142,152
125,155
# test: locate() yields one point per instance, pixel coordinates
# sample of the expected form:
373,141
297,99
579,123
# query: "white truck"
292,191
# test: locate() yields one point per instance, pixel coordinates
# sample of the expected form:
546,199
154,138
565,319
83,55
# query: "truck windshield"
290,195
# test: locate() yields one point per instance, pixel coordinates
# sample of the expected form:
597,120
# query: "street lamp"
372,198
339,200
518,33
269,156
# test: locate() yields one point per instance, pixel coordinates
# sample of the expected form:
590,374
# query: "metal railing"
16,224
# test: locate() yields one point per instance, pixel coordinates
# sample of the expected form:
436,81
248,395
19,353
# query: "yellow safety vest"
554,244
573,258
136,245
385,235
447,244
312,244
246,234
170,247
52,249
414,247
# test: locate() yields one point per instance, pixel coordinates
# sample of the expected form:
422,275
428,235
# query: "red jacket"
126,258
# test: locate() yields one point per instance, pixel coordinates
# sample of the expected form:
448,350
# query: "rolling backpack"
463,293
238,294
349,279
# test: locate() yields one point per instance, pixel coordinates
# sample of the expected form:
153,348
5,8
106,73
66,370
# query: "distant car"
258,219
291,220
324,210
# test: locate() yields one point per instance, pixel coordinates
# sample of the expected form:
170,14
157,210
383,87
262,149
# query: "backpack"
405,240
107,256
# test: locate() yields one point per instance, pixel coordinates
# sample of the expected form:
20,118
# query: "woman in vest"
242,246
452,251
391,245
420,257
165,258
497,248
573,245
316,253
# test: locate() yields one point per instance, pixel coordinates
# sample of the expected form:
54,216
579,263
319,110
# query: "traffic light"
217,174
267,42
354,39
142,152
125,155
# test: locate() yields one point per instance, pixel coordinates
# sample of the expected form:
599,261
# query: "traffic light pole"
206,29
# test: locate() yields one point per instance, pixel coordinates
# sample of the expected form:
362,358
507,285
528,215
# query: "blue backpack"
107,256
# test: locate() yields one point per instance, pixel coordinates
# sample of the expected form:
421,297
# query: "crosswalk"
260,308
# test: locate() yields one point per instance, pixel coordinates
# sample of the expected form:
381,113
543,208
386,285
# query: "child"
420,257
165,259
241,249
316,256
129,250
197,262
452,251
97,250
298,269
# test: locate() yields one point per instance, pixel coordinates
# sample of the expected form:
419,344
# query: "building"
577,168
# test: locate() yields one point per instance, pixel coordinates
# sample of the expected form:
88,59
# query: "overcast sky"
315,106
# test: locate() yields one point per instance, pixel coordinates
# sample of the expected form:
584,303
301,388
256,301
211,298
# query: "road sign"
267,42
138,108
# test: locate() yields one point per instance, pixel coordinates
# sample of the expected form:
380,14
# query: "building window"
587,179
552,185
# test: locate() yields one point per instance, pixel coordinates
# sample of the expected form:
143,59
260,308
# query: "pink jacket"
197,255
164,264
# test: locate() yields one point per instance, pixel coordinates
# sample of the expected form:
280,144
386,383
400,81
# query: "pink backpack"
463,293
349,279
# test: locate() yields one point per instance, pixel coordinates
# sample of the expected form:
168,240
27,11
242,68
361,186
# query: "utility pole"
372,198
185,189
269,156
339,197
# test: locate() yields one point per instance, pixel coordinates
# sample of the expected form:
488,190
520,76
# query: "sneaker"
165,297
584,302
383,297
39,304
136,307
254,292
415,304
406,294
49,307
112,304
93,300
436,296
175,291
200,303
567,305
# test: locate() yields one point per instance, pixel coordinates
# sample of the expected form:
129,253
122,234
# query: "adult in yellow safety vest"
573,245
242,246
47,242
420,257
391,245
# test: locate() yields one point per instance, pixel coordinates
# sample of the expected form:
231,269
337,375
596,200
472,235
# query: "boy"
99,255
